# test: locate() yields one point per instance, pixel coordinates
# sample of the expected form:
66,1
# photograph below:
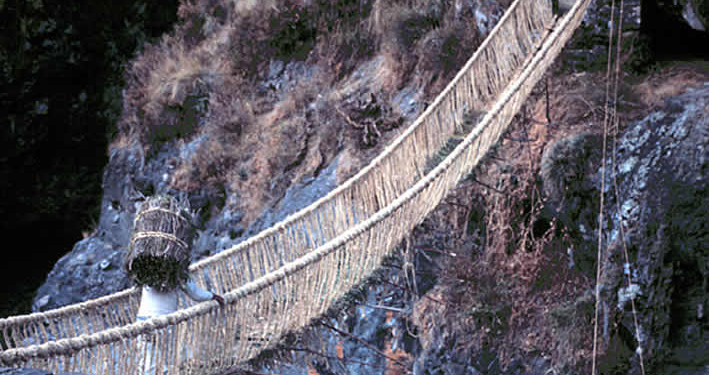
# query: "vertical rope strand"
599,259
639,350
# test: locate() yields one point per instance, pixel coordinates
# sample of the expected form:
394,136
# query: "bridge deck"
279,280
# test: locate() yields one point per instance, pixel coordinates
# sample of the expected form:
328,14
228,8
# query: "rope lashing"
152,234
139,215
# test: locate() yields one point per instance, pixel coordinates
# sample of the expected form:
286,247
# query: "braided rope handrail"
508,63
329,262
389,174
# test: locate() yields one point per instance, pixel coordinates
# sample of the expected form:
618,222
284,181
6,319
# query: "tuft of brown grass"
671,81
217,149
509,288
429,43
202,87
179,74
446,50
165,87
343,39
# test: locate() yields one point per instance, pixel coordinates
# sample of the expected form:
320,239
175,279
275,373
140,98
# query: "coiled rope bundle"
159,251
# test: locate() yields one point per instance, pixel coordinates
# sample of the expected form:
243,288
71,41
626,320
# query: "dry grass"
670,81
423,42
200,85
343,40
165,87
510,289
179,75
511,271
443,52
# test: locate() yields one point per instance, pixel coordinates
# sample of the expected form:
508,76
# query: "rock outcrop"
694,12
660,201
662,195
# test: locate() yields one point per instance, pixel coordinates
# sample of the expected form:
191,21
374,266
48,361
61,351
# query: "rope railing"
205,338
402,162
483,76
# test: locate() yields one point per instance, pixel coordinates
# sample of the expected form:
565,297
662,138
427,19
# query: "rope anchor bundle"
159,251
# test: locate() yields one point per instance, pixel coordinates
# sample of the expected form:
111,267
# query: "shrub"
445,50
565,164
409,26
229,117
166,91
343,39
293,33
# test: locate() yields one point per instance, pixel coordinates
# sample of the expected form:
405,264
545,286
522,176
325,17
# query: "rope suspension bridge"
279,280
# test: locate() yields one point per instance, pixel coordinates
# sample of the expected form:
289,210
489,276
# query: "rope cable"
599,252
639,349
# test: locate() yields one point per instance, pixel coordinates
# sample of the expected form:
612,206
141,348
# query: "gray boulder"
662,195
91,270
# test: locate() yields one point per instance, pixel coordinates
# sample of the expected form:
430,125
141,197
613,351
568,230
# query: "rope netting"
275,282
372,188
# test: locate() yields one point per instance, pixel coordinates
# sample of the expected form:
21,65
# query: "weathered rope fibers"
370,264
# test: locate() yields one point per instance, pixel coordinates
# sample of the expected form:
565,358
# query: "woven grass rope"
337,242
159,251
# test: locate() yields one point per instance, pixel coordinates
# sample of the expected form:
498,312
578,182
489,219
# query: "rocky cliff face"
660,187
315,148
655,188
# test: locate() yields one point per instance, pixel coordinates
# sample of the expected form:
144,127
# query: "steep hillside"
263,94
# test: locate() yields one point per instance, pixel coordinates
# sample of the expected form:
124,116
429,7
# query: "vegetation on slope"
267,92
520,283
217,83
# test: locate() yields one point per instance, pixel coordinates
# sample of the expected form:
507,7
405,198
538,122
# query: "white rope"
153,234
626,265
